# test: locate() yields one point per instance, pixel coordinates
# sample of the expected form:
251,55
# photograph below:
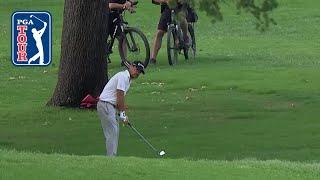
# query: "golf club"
161,153
36,18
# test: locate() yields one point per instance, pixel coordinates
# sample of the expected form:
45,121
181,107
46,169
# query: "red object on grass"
89,102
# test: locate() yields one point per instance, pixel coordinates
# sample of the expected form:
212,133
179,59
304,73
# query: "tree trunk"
83,65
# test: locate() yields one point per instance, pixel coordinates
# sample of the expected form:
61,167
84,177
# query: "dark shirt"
165,7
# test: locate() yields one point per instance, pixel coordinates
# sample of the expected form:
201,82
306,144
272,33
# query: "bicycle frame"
119,24
178,39
122,24
177,28
133,44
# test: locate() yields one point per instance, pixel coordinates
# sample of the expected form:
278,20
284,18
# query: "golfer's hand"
123,117
126,121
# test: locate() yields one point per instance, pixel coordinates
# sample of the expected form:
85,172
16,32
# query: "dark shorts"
112,24
191,15
165,19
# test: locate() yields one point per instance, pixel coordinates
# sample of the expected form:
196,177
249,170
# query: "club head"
162,153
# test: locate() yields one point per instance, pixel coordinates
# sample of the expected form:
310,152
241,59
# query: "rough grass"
15,165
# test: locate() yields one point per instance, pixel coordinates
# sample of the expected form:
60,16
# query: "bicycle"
175,40
133,44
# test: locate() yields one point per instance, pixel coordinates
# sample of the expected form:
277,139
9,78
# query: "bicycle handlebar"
133,4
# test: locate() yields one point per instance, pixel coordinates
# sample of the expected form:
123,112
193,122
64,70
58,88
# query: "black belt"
108,103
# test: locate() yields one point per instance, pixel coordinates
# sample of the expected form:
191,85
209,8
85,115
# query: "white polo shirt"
120,81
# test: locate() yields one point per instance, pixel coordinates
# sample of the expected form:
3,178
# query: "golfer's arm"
120,100
42,30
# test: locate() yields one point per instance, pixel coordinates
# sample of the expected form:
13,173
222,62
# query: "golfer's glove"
123,117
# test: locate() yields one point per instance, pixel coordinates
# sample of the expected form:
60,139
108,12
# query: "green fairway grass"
42,166
248,95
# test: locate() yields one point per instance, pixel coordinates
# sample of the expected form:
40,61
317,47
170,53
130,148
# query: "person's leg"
41,55
34,58
184,25
184,28
110,28
162,29
157,44
110,127
122,41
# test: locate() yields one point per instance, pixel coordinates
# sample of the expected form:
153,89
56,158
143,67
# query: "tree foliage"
260,9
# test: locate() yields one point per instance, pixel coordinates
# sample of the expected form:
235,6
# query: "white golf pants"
110,126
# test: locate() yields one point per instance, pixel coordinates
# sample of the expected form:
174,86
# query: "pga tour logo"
31,38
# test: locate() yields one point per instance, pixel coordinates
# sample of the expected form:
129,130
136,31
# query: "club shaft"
37,18
143,138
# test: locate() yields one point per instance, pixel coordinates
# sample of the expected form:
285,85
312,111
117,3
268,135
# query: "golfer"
112,101
37,37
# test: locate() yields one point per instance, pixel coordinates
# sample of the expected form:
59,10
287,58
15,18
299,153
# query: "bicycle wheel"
172,49
134,46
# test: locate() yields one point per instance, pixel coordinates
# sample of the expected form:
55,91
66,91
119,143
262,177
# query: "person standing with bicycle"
115,8
133,44
165,19
112,100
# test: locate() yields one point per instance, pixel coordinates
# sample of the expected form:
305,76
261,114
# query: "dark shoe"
153,61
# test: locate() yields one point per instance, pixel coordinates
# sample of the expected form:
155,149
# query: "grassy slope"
28,165
249,95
